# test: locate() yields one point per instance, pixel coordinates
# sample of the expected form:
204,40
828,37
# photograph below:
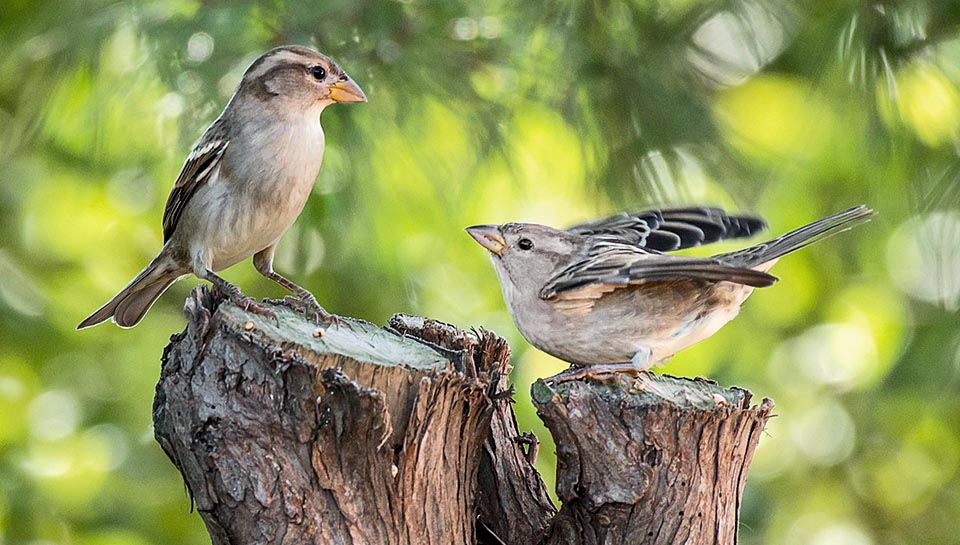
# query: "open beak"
347,91
489,237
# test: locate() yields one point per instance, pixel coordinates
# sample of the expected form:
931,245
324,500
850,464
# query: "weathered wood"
514,506
657,460
289,432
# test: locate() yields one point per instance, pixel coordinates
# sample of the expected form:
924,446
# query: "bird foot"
248,304
598,372
307,305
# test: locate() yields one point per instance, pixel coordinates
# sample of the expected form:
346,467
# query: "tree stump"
289,432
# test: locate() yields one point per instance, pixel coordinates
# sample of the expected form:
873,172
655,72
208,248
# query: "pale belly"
222,226
615,330
227,220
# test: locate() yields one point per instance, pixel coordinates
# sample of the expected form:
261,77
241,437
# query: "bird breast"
254,198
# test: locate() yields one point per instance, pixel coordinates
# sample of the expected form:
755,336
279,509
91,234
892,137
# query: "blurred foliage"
554,113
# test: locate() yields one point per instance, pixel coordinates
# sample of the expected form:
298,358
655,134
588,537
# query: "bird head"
299,78
526,255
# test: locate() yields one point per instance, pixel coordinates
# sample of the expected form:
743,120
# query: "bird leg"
638,364
304,301
233,293
599,371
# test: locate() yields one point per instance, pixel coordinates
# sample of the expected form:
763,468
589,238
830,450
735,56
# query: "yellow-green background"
551,112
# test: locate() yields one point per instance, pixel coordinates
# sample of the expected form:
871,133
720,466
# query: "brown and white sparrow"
604,298
244,183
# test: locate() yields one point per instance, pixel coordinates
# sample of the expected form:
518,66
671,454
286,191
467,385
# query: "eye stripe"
283,56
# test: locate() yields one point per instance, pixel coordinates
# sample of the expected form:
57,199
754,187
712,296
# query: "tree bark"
291,432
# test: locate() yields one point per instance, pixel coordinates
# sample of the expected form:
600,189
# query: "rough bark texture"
289,432
657,460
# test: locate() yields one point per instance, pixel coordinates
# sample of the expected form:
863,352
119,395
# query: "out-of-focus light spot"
336,171
227,84
131,191
439,290
546,152
121,52
490,27
113,537
928,103
116,441
18,291
904,477
59,199
188,82
772,118
69,471
171,105
492,82
791,300
301,251
820,528
17,384
43,45
729,47
823,433
843,533
465,29
53,414
923,257
774,455
880,312
199,47
956,356
12,388
839,355
119,106
388,51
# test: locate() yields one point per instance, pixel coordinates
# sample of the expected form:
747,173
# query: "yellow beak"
347,91
489,237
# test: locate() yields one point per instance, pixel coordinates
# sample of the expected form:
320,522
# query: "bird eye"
525,243
318,72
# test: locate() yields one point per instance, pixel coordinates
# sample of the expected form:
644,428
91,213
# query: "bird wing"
609,266
671,229
203,161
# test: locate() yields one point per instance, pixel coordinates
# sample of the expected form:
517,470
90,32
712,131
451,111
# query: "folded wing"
671,229
610,265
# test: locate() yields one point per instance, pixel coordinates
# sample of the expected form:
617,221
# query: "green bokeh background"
552,112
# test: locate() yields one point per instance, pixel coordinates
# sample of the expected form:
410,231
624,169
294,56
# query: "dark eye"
525,243
318,72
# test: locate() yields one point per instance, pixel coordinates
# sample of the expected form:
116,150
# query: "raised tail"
798,238
129,306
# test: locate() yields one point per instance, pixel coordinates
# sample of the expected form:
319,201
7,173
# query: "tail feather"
134,306
798,238
129,306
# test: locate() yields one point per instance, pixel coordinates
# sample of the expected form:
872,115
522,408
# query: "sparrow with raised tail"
244,183
604,297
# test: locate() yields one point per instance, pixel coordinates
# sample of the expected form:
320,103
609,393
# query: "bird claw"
597,372
307,305
249,304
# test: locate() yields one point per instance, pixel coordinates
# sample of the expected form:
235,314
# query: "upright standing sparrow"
603,297
245,182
